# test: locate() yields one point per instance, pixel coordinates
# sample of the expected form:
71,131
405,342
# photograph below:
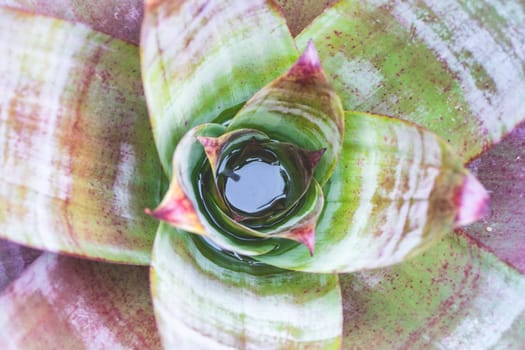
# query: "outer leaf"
454,296
13,260
396,189
207,300
202,58
65,303
78,160
455,67
118,18
502,170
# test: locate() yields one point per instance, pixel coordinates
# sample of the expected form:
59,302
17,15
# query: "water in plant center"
255,186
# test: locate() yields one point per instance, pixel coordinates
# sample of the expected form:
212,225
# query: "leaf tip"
308,64
472,201
305,236
315,156
177,210
212,148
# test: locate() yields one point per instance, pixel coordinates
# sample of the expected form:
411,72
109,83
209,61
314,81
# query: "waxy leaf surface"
299,107
118,18
66,303
204,300
396,188
453,296
78,160
454,67
204,58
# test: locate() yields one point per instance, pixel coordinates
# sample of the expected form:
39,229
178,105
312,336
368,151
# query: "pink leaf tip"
305,236
308,64
472,200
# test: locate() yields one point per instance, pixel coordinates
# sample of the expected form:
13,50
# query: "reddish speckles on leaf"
471,199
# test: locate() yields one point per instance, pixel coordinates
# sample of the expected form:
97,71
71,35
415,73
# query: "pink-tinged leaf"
202,59
304,235
178,210
14,259
454,296
78,160
118,18
454,67
502,171
472,202
397,189
66,303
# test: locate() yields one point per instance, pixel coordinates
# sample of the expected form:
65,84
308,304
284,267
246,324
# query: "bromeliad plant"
274,174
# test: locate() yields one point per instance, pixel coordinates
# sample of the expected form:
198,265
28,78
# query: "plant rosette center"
291,167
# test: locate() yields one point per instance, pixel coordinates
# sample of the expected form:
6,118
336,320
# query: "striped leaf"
201,60
397,188
454,296
66,303
299,107
205,299
118,18
78,160
455,67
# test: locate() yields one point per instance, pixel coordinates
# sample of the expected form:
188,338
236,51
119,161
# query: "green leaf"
119,18
397,188
66,303
205,299
201,60
78,160
454,296
299,107
454,67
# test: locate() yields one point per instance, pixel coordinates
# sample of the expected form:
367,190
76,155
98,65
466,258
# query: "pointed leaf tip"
315,156
212,148
472,200
177,210
308,64
305,236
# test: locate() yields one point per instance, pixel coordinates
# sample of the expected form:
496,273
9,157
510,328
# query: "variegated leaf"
453,296
205,299
397,188
66,303
202,59
454,67
118,18
78,160
299,107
